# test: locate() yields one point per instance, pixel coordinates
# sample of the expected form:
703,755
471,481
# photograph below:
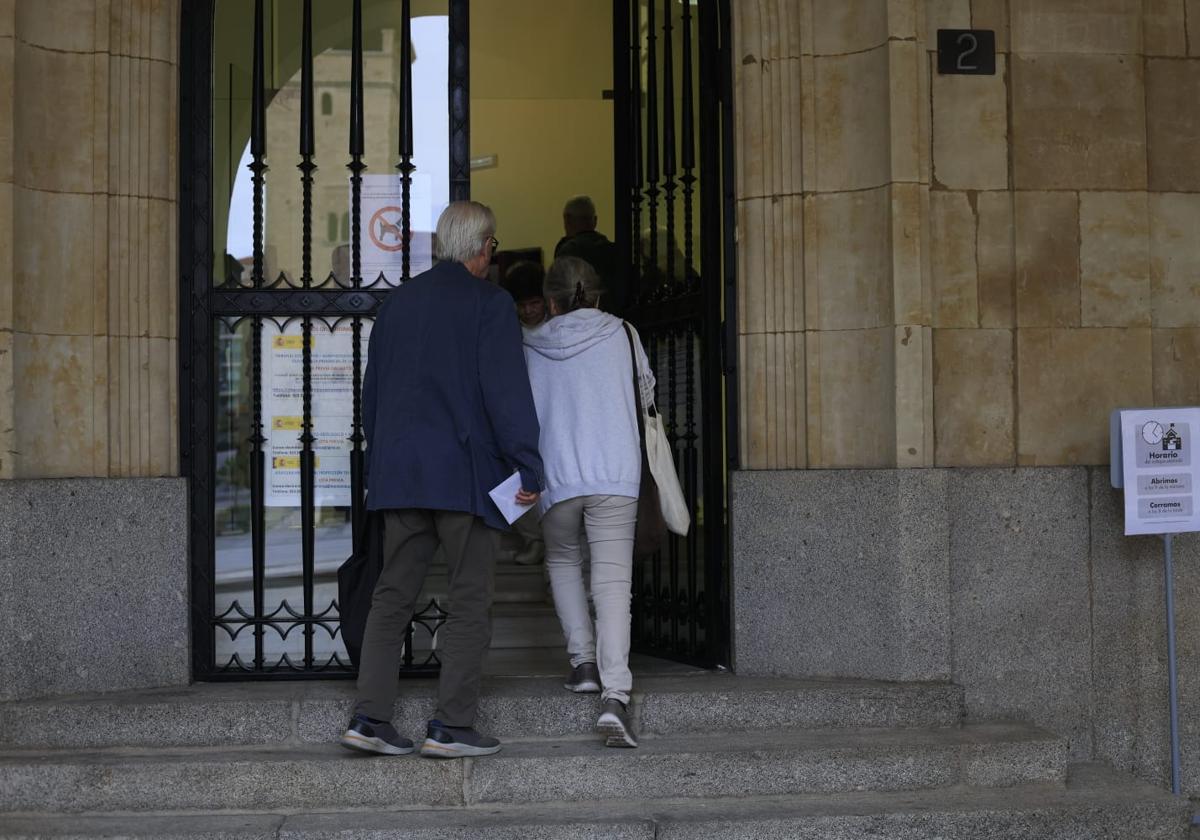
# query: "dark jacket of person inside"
581,239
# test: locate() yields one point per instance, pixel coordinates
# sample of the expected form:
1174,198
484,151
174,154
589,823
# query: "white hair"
463,230
580,207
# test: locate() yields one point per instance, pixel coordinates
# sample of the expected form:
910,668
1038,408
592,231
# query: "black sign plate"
969,52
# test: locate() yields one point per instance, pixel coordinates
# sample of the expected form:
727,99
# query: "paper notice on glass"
504,495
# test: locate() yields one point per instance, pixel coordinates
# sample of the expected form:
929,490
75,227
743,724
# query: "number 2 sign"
966,52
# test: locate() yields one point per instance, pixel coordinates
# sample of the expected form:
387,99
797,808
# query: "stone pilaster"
94,276
7,50
832,186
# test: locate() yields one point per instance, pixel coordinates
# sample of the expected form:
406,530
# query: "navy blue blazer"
447,409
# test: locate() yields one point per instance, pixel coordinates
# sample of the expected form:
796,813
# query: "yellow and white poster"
332,367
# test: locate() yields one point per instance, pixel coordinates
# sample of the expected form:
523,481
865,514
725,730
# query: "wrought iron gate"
672,145
233,638
673,139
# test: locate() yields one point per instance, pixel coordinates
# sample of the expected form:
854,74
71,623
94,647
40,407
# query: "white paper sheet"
504,495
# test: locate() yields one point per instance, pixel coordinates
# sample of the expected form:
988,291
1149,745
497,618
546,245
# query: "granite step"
511,707
319,776
1095,802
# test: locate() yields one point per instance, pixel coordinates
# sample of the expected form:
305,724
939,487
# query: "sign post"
1160,476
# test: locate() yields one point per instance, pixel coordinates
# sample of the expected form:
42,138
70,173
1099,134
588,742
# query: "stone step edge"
826,738
325,776
225,714
724,682
1092,787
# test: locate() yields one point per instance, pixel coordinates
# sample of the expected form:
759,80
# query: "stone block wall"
88,275
1017,584
962,270
93,585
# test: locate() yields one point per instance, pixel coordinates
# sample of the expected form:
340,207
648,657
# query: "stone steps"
1095,802
511,707
318,776
720,757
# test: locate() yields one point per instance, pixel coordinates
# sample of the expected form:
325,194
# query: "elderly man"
581,239
448,415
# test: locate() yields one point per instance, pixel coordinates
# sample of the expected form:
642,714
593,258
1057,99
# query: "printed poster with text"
1160,469
332,405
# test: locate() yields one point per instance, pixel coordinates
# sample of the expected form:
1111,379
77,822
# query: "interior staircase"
720,757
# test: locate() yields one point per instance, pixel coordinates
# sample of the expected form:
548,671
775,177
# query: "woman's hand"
524,497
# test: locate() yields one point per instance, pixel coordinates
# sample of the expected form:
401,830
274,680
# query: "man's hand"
524,497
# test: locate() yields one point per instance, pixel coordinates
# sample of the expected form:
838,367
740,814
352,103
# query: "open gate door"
673,220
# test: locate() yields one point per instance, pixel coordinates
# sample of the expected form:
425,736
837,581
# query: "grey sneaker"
584,679
442,741
614,725
375,736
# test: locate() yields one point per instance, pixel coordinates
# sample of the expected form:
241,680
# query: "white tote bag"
662,467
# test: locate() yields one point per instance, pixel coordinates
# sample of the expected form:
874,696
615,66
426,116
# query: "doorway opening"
320,142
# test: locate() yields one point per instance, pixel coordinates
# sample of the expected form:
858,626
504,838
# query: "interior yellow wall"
538,71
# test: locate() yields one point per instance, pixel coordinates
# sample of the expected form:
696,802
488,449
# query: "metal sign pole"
1169,575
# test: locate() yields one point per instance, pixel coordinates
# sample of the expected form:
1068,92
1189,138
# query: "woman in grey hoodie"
582,379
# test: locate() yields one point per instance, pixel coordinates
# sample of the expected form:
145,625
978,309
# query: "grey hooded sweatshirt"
582,380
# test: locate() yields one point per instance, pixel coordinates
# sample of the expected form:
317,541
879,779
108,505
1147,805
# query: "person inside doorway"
581,239
583,379
523,281
448,414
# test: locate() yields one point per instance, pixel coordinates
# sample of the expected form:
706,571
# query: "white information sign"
1161,471
382,226
332,363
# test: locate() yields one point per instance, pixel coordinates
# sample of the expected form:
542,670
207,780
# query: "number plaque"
969,52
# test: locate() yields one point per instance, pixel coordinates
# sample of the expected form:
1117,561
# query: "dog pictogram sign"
385,228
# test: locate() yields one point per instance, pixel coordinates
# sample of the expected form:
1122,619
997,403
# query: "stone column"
93,284
832,187
7,50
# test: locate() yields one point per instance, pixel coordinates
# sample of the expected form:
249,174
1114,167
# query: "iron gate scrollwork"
673,140
220,312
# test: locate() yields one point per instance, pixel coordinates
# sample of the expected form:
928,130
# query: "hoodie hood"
565,336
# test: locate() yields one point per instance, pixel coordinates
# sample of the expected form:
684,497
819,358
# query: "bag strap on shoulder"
637,387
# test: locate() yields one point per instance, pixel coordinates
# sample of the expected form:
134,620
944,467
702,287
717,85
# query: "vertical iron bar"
668,107
634,195
307,461
197,392
623,98
689,487
657,606
651,191
671,422
406,135
460,101
258,166
356,167
713,248
724,336
729,250
688,147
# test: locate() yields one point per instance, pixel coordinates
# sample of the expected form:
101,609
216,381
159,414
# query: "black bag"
356,584
651,529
